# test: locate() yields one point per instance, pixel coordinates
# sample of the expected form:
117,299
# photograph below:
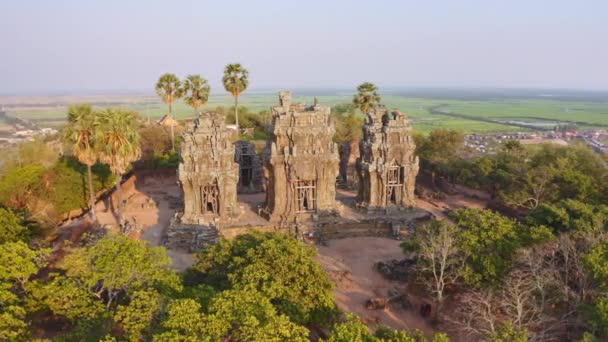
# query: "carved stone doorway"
306,195
210,199
394,186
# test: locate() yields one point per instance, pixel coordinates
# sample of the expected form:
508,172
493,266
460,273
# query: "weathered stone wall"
190,237
387,166
251,172
349,154
207,172
301,163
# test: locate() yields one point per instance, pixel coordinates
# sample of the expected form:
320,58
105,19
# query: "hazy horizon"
70,46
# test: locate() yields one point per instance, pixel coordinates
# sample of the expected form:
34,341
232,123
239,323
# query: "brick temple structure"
301,162
251,172
387,166
208,172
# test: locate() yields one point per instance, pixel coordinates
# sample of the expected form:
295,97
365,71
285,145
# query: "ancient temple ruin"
208,172
301,162
251,173
387,167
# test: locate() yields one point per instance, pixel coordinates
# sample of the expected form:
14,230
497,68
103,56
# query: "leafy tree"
64,296
571,215
439,150
488,241
80,134
139,316
350,331
528,177
169,89
236,81
353,330
65,184
233,315
507,332
117,265
17,264
367,97
599,317
246,315
438,259
12,227
154,140
118,143
26,153
597,263
348,127
20,186
13,326
185,322
275,265
196,91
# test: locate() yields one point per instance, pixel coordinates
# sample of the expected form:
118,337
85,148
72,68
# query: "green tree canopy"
12,227
488,241
367,98
118,265
196,91
236,81
169,89
275,265
80,134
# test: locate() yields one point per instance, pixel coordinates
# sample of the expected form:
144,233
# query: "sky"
51,46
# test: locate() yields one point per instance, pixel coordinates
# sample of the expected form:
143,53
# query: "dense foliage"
538,276
258,287
47,193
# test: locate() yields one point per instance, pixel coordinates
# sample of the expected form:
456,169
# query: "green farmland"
463,114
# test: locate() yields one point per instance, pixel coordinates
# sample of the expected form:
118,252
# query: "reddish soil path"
350,264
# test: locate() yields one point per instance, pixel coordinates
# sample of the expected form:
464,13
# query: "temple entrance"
210,201
394,186
306,195
246,164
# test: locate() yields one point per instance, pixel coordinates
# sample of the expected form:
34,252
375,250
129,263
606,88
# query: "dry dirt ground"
350,264
463,199
148,205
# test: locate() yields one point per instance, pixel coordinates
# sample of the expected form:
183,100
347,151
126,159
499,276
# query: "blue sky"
81,45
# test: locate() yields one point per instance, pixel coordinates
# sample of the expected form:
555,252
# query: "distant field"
463,114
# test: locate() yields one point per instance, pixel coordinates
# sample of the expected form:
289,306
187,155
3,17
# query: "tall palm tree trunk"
172,130
119,200
92,196
236,114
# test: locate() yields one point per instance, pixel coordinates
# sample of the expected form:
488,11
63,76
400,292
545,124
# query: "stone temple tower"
387,167
208,173
301,162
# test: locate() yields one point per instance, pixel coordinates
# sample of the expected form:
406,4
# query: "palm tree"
169,89
236,80
80,135
367,97
118,141
196,91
